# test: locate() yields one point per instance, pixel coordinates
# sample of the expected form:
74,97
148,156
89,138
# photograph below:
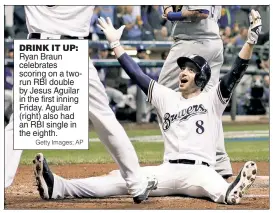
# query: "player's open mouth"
183,81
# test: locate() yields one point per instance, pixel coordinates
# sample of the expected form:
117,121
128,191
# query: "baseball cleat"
152,185
243,181
44,177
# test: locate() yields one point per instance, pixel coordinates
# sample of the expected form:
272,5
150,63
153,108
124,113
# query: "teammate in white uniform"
189,120
195,31
73,22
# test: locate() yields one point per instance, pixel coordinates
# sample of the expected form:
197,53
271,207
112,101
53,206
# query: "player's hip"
190,157
207,43
196,36
209,49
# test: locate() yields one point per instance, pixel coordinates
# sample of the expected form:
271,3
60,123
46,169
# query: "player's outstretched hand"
110,32
255,27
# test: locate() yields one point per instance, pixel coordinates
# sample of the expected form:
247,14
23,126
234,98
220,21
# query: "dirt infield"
23,194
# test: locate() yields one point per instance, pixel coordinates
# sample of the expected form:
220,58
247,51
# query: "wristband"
175,16
166,9
114,44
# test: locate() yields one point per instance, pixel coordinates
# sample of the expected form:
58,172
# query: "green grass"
153,152
227,127
243,151
147,153
133,133
245,127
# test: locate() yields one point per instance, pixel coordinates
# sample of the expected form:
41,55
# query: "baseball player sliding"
188,119
73,22
195,31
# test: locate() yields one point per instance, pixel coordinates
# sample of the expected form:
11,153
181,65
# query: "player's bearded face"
186,78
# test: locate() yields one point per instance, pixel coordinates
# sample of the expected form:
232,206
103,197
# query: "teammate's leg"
170,70
8,105
215,58
223,165
211,50
12,157
112,135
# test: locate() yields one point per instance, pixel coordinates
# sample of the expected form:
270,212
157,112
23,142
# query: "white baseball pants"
173,179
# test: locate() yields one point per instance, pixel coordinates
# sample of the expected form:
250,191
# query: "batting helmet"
203,75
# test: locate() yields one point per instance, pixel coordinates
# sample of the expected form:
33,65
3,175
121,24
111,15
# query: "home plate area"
23,194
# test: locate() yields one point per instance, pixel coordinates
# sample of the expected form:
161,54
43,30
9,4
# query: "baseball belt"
186,161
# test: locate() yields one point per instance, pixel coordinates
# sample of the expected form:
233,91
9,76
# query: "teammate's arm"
196,14
190,14
231,79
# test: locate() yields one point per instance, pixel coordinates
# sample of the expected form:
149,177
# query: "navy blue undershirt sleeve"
230,80
134,72
178,16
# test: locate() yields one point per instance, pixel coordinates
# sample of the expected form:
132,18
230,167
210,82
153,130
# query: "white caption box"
51,94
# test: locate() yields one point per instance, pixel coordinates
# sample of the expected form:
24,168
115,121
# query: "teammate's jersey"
189,126
59,20
205,29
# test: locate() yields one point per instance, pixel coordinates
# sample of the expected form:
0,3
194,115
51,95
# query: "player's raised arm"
175,13
128,64
231,79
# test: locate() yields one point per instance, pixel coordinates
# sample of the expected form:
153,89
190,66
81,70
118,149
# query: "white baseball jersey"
59,20
205,29
189,126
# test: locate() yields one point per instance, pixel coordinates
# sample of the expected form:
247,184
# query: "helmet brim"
181,61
